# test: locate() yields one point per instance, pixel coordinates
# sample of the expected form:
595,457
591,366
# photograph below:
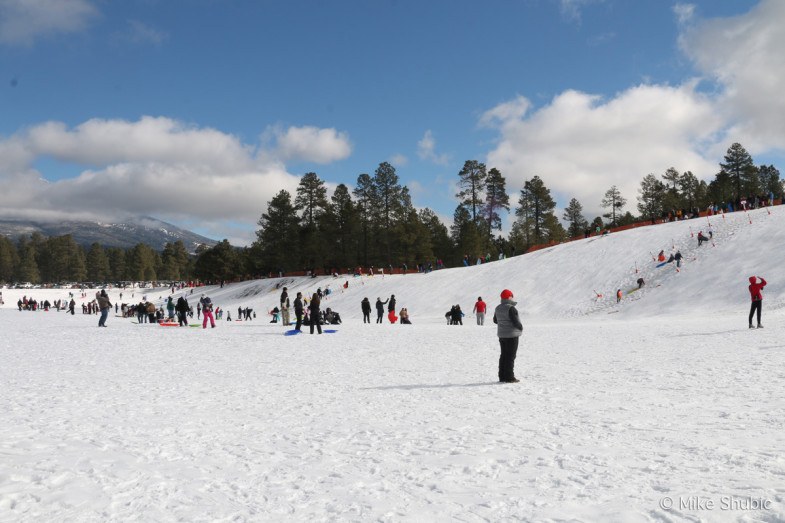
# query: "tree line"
375,224
59,259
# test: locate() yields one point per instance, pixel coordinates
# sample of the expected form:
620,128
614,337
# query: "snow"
620,408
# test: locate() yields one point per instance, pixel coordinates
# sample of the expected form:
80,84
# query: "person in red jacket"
479,311
757,297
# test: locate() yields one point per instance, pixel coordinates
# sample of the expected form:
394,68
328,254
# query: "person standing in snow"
298,311
618,295
509,330
479,311
757,298
170,308
379,309
106,306
207,312
391,305
182,310
678,257
285,311
366,308
313,309
284,297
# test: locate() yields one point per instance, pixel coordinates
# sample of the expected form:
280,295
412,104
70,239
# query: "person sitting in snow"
701,238
661,256
405,316
641,283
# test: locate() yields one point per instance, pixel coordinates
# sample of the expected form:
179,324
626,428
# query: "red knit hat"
506,294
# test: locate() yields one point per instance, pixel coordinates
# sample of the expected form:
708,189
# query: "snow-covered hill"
560,282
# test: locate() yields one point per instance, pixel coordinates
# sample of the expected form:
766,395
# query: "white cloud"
398,160
743,54
141,33
23,21
426,150
513,109
154,166
312,144
580,144
684,13
571,9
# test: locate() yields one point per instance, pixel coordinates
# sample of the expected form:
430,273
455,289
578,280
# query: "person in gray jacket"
104,305
509,330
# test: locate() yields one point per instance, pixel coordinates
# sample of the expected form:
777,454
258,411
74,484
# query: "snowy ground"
621,410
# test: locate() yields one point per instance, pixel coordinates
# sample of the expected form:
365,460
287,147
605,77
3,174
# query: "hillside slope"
560,282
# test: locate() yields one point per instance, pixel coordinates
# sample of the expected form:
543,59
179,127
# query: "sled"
168,324
295,332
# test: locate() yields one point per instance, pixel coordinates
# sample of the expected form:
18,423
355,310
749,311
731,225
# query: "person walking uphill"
313,310
757,298
106,306
479,311
509,331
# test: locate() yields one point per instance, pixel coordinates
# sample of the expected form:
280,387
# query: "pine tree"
496,200
9,259
534,204
672,199
341,225
97,264
651,199
739,167
690,187
277,238
311,198
615,201
472,184
465,233
573,215
367,208
770,180
27,270
441,244
142,261
390,196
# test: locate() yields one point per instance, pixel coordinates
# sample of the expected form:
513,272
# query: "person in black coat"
391,305
182,309
298,310
456,315
366,306
313,310
380,309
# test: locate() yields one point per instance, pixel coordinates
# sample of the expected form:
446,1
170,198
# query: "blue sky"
198,112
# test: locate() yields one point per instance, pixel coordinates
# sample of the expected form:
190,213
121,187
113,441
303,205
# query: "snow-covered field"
664,407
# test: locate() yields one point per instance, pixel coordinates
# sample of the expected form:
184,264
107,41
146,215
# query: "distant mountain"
150,231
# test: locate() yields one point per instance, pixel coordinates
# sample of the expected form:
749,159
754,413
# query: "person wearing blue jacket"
509,330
